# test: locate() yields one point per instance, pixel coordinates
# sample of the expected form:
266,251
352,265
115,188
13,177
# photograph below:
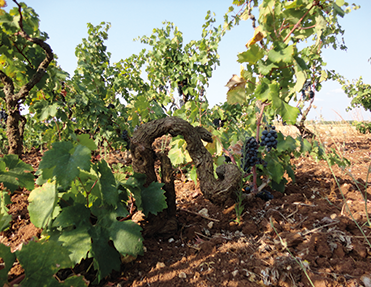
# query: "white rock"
160,265
182,275
210,224
234,273
204,212
366,279
171,240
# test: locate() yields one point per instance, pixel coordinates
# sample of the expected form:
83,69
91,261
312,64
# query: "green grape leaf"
41,260
77,242
43,204
279,186
176,155
265,68
285,144
48,111
288,113
290,172
106,258
282,55
107,184
131,233
252,55
85,140
237,94
193,174
275,169
66,161
4,222
13,175
135,184
8,258
338,10
126,235
153,198
305,145
74,215
44,175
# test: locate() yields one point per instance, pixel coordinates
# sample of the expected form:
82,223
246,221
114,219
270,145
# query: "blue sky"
65,23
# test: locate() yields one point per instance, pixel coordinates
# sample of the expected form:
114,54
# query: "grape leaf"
8,259
153,198
338,10
282,55
41,260
288,113
48,111
77,242
74,215
287,144
13,175
305,146
275,169
66,161
107,184
4,222
85,140
43,204
106,258
134,184
252,55
237,94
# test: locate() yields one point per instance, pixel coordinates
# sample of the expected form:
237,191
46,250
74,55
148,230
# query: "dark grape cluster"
162,88
264,194
219,122
307,92
202,92
227,159
125,137
269,138
110,106
250,156
3,117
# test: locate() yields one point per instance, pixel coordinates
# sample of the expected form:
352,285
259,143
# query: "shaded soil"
312,227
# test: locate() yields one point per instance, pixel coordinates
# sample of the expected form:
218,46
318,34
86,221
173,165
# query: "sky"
66,24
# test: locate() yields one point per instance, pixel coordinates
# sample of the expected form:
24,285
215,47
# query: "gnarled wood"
216,190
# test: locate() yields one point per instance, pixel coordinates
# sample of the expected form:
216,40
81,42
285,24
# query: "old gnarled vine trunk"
144,157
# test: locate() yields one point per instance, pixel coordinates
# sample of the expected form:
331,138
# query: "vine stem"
254,174
315,3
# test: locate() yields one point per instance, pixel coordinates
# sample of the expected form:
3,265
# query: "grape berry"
3,117
264,194
250,154
125,137
219,123
307,92
269,138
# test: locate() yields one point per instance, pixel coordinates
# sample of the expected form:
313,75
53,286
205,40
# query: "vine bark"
144,157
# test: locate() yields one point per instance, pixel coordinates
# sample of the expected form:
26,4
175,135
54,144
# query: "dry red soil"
307,234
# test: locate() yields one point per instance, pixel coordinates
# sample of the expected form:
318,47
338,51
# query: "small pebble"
204,212
160,265
366,279
182,275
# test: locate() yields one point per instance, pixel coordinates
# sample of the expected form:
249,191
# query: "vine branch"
315,3
41,70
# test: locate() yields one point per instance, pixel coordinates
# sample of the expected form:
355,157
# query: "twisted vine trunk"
215,190
16,122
